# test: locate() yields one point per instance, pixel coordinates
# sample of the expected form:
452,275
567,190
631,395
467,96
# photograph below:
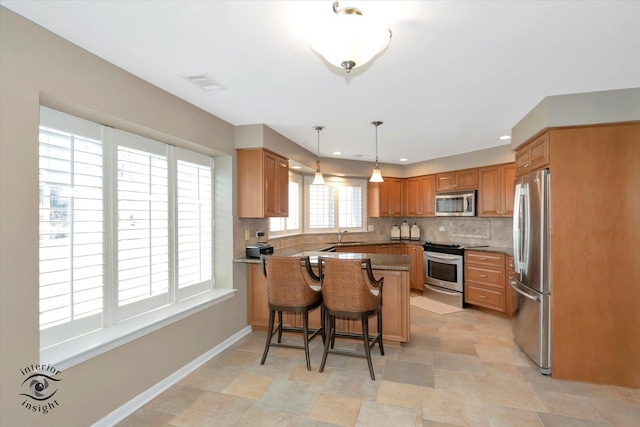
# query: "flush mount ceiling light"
349,39
376,176
318,179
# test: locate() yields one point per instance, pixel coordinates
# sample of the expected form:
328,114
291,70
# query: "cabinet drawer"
485,276
484,258
484,297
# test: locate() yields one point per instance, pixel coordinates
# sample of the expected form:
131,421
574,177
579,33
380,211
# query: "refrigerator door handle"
516,228
512,283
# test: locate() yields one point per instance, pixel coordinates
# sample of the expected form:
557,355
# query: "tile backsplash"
464,231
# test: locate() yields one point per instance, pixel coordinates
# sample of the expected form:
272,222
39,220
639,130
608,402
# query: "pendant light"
318,179
376,175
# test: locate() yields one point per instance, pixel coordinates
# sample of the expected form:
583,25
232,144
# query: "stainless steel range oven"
444,273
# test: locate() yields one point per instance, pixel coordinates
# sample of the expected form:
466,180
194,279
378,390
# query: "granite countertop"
322,249
378,261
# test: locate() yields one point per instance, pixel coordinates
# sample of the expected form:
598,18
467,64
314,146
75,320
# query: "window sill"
69,353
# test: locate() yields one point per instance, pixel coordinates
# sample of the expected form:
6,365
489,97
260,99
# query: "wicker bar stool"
289,289
347,294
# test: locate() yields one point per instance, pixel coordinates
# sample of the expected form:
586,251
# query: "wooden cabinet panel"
466,179
484,297
496,190
386,198
263,184
485,276
533,156
484,279
421,196
395,306
417,266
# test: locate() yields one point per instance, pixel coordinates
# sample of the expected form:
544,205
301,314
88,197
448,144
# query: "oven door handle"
441,291
443,257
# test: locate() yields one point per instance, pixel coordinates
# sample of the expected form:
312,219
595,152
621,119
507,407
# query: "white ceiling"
456,76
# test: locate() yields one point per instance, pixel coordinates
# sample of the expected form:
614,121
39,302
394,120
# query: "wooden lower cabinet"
395,307
484,280
417,266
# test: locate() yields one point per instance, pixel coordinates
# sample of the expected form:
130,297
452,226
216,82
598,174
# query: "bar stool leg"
380,332
269,336
279,326
330,324
367,349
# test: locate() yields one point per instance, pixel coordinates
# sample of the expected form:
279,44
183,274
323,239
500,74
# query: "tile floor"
460,369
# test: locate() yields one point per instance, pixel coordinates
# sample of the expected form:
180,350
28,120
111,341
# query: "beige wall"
38,67
608,106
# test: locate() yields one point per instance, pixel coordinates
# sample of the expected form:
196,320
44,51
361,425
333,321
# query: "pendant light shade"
318,179
376,175
349,39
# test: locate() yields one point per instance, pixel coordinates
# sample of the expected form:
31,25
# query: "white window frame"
336,183
64,350
294,208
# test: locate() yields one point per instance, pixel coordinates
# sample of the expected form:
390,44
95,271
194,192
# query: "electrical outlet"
259,233
370,228
441,229
247,235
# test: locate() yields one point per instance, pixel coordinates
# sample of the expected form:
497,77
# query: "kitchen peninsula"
395,296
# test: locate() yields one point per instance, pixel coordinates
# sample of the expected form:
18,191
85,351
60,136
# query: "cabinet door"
416,276
282,187
270,184
257,304
446,181
384,198
509,189
489,192
395,196
428,196
413,197
534,155
496,190
374,201
467,179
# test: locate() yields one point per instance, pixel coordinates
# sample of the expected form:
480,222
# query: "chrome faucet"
341,235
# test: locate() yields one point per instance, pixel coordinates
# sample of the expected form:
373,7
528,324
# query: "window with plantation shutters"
126,229
336,205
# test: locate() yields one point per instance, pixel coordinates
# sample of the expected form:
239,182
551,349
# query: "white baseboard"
146,396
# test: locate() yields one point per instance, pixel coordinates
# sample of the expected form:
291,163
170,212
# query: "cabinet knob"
482,258
483,275
526,165
483,297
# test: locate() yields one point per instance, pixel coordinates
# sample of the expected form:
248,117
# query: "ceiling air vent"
203,81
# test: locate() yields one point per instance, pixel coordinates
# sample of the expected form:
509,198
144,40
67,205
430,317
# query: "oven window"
442,271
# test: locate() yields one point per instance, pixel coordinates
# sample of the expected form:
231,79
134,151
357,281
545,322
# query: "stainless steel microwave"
458,203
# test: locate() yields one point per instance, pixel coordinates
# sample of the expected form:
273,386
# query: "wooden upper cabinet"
496,190
263,184
421,196
386,198
533,156
457,180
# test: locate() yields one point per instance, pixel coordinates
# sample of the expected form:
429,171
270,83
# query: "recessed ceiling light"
337,153
404,160
505,137
296,167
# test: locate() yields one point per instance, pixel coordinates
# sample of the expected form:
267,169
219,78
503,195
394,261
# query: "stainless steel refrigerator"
532,317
